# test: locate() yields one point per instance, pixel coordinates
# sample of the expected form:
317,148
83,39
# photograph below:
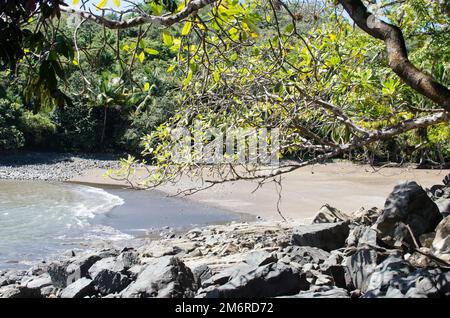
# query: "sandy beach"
343,185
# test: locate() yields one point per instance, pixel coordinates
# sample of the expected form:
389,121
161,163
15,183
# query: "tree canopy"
345,78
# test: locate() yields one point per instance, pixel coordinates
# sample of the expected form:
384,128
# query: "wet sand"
343,185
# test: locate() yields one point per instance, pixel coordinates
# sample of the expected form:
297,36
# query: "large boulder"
441,243
259,258
387,276
165,277
328,214
303,255
37,283
395,278
65,273
109,276
110,282
17,291
270,280
227,274
408,204
79,289
326,236
359,267
251,261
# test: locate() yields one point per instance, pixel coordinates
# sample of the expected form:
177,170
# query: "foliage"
299,66
37,129
271,74
11,138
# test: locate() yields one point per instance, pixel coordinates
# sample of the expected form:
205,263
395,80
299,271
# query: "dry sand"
343,185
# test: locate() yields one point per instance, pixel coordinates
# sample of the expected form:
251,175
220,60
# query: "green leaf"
141,57
167,38
152,51
186,28
216,76
102,3
157,9
289,28
188,78
171,69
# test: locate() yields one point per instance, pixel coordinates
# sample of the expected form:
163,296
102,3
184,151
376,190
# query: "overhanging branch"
166,20
397,53
374,136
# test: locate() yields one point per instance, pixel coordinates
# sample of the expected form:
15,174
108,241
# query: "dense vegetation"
107,105
123,90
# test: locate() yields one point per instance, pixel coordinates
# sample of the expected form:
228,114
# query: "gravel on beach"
51,166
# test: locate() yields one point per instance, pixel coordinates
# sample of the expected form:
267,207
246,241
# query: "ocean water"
38,220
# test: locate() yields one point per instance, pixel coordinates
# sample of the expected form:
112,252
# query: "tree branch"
397,53
370,138
166,20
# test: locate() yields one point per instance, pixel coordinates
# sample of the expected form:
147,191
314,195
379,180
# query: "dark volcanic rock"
443,205
165,277
17,291
408,204
327,236
269,280
110,282
65,273
335,268
322,292
366,217
37,282
328,214
11,277
360,266
108,275
361,235
227,274
395,278
79,289
128,258
259,258
441,242
249,263
201,274
304,255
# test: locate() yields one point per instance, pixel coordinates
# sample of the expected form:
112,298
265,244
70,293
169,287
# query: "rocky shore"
402,250
49,166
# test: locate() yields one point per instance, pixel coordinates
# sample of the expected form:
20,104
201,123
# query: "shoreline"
344,185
